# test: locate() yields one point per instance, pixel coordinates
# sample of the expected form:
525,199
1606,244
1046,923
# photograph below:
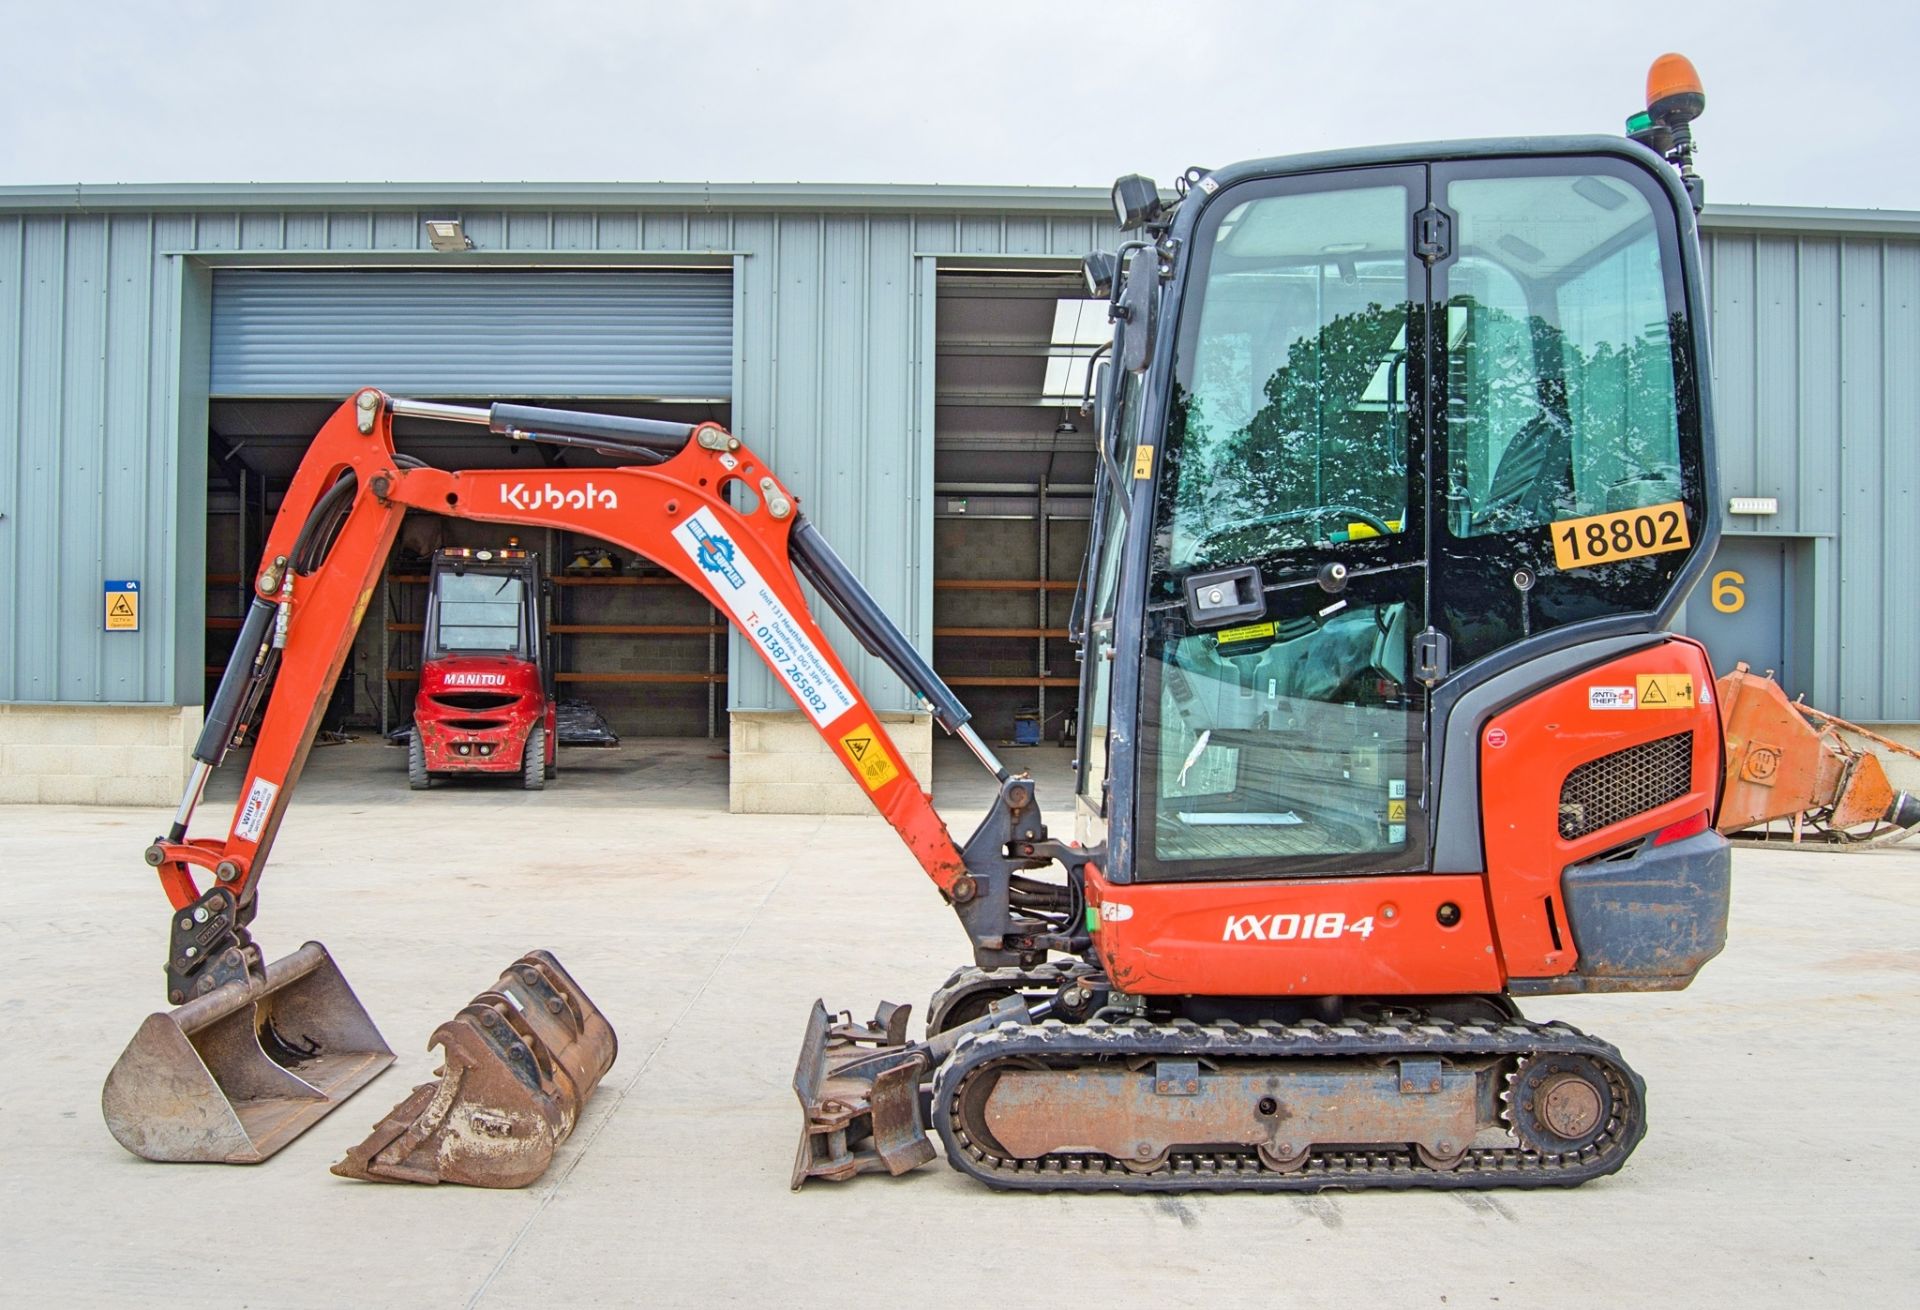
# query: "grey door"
629,333
1744,609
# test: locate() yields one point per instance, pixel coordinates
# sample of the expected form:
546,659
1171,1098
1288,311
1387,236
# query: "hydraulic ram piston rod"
870,624
611,433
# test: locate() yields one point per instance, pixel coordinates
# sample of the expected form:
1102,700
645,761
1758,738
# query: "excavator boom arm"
339,520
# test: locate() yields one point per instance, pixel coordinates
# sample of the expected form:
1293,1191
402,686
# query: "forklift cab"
485,702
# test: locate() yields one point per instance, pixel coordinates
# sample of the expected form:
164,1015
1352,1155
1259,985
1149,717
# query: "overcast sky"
1809,103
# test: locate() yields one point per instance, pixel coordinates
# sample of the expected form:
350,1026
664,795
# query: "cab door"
1282,707
1418,416
1567,423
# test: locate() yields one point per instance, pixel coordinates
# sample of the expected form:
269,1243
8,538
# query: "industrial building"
909,359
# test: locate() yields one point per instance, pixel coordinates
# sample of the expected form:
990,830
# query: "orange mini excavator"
1406,464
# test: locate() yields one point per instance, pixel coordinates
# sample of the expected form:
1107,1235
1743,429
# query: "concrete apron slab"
1768,1174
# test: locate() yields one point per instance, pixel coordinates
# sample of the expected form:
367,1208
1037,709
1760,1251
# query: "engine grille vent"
1625,783
476,700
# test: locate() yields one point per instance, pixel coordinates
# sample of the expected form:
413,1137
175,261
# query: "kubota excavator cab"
1409,468
485,702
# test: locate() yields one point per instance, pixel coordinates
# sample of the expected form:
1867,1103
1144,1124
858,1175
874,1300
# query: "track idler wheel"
520,1062
1562,1104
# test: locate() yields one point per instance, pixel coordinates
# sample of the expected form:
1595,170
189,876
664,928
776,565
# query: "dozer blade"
520,1061
233,1076
859,1090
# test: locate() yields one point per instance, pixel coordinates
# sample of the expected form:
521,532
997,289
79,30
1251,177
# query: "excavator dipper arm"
330,543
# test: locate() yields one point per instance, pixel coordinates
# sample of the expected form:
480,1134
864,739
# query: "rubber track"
1332,1168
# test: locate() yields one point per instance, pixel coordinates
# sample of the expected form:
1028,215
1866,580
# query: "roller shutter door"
619,334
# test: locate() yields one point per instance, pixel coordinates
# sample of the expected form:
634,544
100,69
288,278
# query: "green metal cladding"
105,312
105,298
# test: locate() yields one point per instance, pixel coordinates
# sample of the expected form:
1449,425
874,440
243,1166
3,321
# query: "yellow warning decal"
1142,462
1396,811
123,607
1664,691
1628,534
1246,632
869,757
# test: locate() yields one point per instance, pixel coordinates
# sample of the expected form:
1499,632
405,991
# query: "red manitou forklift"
1406,466
485,702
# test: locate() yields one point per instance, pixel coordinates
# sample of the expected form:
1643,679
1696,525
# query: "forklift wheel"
533,760
417,776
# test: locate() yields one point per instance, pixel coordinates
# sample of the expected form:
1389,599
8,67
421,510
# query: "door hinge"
1432,234
1430,663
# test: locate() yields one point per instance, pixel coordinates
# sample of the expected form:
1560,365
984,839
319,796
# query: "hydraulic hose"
316,534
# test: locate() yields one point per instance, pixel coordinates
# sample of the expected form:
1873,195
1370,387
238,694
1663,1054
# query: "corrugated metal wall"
835,338
102,400
91,466
1816,344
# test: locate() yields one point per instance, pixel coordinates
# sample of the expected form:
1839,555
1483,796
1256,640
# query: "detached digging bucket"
521,1059
233,1076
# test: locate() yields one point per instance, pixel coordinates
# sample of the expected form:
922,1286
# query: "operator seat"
1533,481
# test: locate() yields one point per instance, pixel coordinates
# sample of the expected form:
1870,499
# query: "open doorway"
1013,474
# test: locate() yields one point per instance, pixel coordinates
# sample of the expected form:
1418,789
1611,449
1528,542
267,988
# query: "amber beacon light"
1674,100
1674,94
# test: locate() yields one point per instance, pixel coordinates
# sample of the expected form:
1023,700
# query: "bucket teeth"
859,1091
235,1074
520,1061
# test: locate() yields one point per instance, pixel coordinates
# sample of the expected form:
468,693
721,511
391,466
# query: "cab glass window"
1290,429
477,612
1561,355
1564,400
1291,741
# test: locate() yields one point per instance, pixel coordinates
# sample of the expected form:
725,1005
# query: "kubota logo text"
547,496
1293,927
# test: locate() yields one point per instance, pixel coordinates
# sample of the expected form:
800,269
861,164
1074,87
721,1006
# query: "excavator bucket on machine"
866,1116
521,1060
859,1089
235,1074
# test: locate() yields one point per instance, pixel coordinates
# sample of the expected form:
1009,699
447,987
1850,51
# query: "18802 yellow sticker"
863,747
1625,534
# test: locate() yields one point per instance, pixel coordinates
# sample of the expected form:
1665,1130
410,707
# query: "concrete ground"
1782,1166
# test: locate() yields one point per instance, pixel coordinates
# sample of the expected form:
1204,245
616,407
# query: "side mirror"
1139,308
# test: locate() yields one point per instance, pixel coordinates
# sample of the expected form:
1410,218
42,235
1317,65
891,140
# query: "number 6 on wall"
1728,596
